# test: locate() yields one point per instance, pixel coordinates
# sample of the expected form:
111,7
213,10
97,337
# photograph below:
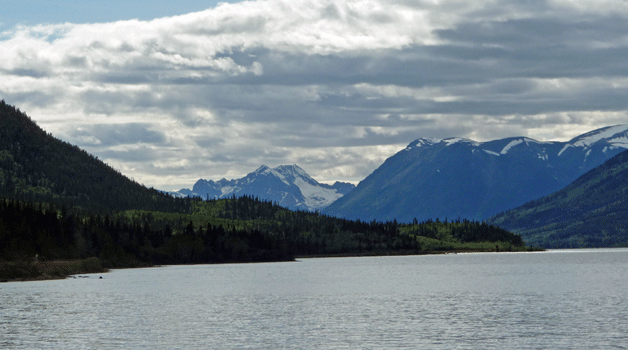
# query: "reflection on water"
556,299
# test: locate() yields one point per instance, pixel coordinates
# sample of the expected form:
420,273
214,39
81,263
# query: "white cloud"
334,86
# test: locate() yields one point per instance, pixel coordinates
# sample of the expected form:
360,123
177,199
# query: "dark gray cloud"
140,154
104,135
39,99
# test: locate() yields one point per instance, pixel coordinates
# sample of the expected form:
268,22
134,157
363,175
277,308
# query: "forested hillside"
36,166
590,212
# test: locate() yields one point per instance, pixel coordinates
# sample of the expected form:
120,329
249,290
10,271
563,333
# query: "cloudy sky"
168,92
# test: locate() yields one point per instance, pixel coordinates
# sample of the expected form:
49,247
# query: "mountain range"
451,178
590,212
287,185
458,177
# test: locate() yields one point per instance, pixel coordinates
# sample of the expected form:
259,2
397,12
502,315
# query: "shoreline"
25,271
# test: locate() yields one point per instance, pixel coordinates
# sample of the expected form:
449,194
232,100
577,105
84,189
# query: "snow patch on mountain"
288,185
586,155
423,141
529,140
227,190
454,140
564,149
316,196
586,140
511,145
614,136
619,141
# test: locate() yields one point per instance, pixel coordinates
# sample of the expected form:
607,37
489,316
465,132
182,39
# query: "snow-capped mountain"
458,177
288,185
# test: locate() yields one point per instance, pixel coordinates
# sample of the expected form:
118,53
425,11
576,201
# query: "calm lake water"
550,300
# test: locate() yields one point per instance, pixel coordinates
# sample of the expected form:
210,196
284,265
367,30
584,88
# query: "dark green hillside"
36,166
590,212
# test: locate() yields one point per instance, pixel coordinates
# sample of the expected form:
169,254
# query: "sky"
171,92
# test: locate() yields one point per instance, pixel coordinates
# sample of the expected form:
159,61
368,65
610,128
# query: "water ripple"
487,301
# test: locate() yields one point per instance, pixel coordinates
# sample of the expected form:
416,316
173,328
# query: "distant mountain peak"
295,169
262,169
423,141
288,185
291,170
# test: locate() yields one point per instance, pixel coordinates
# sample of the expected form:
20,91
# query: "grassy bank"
23,270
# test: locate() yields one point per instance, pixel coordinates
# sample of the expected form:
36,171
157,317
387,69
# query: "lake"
562,299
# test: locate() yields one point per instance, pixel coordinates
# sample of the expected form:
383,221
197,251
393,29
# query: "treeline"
241,229
464,231
31,229
310,233
314,233
48,232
